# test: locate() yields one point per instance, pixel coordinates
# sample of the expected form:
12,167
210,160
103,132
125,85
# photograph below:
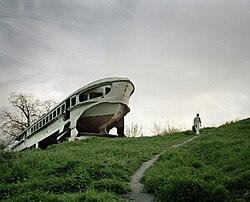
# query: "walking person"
197,124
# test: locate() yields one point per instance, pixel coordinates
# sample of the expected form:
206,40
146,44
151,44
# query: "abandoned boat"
91,110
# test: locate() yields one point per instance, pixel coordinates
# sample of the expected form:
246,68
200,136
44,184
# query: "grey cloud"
182,55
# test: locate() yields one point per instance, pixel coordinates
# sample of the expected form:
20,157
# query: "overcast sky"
184,56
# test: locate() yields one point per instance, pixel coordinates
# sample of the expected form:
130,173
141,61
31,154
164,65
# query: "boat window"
83,97
43,121
22,136
47,119
25,134
58,111
73,101
54,114
50,117
94,95
63,108
107,90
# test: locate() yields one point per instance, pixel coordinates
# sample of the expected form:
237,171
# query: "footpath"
136,193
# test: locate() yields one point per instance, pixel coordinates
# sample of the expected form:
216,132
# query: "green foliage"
213,167
94,196
192,189
178,176
106,184
35,197
239,185
95,169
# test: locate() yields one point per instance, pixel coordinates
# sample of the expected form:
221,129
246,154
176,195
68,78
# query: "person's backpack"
193,128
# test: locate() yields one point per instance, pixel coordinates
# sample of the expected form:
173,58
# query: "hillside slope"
95,169
213,167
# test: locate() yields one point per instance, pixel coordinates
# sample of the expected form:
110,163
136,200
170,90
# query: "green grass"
213,167
95,169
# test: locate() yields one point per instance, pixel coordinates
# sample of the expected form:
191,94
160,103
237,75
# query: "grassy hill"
215,166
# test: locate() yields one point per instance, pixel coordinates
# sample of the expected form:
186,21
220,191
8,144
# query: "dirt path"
136,187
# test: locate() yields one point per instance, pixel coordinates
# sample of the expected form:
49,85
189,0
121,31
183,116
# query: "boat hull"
93,109
102,117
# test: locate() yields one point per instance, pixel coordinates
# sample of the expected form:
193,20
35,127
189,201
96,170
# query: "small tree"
134,131
156,128
24,111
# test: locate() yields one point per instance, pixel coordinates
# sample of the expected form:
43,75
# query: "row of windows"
55,113
84,96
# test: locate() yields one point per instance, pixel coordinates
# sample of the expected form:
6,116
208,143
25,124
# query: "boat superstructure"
93,109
